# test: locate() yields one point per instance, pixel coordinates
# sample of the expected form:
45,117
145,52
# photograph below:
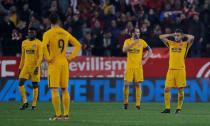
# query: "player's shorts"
58,76
176,78
135,74
28,73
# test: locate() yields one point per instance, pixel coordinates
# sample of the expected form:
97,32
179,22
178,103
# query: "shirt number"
61,44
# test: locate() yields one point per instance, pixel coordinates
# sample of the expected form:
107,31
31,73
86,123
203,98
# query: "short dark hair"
133,30
32,29
54,18
179,31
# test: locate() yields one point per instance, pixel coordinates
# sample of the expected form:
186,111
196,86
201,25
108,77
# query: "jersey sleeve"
22,57
125,44
76,44
45,49
169,42
145,45
40,53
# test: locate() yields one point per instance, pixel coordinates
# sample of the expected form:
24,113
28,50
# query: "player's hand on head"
173,34
36,70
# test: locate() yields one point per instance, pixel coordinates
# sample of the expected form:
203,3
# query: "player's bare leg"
180,100
66,102
126,94
56,104
35,94
23,93
138,94
167,96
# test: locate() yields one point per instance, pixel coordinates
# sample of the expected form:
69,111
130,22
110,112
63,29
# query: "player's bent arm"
190,38
77,47
22,58
45,49
149,54
164,38
125,49
40,55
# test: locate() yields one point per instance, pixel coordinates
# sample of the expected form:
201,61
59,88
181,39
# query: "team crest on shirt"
34,46
181,45
139,46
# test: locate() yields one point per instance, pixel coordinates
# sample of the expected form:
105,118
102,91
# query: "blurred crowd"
101,26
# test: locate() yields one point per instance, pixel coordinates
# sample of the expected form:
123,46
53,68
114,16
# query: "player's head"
32,33
54,18
135,33
178,35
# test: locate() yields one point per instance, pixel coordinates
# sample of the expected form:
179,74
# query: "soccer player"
55,43
134,47
30,66
176,76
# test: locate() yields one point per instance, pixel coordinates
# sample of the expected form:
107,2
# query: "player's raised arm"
164,38
76,45
190,38
22,58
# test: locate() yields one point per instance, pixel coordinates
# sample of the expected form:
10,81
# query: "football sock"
126,93
167,96
180,99
56,102
138,96
35,96
23,93
66,102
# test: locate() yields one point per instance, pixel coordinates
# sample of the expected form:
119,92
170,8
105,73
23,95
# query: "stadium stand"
102,25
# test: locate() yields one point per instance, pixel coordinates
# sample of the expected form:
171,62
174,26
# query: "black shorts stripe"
49,81
185,55
166,43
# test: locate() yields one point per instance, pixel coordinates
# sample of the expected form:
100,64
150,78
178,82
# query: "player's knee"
138,85
126,84
64,89
21,82
35,84
167,89
55,89
180,89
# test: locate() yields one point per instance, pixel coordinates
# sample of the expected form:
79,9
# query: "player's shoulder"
38,41
142,40
170,40
60,31
25,41
64,31
47,32
127,40
185,43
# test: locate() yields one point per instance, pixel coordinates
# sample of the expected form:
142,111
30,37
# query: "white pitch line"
93,121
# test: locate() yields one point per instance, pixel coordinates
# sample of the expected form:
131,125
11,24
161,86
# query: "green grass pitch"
106,114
